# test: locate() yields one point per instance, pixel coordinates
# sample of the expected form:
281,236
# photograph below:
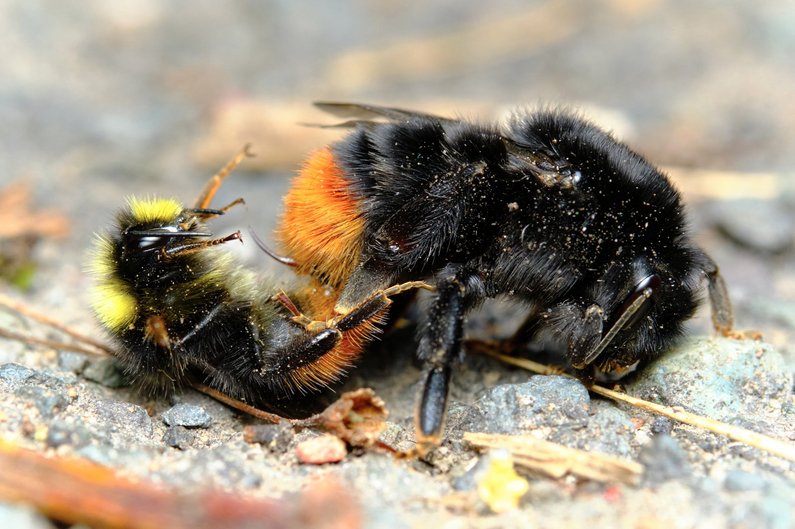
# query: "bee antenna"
265,248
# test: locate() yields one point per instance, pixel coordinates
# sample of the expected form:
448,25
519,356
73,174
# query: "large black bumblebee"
180,311
548,209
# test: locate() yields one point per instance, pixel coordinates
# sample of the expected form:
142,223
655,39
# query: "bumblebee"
547,209
180,310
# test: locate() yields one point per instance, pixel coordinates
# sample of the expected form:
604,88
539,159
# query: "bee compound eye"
647,289
143,240
149,241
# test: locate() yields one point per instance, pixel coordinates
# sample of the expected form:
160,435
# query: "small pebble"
72,361
14,374
187,415
48,400
320,450
105,371
178,437
276,437
662,425
664,460
66,434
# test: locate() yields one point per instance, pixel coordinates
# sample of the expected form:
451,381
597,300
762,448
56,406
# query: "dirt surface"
99,101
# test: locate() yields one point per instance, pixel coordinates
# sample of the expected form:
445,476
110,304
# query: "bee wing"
367,115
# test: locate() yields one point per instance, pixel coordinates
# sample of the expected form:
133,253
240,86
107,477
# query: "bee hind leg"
439,349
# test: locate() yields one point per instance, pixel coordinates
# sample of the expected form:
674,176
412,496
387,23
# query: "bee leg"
720,304
299,317
305,350
211,188
440,347
579,328
208,213
365,311
370,307
192,247
309,359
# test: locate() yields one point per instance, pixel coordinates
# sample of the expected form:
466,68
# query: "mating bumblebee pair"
549,210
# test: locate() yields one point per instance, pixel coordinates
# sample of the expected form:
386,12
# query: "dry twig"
21,308
555,460
76,491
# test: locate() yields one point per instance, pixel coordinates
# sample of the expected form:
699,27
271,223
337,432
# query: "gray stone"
48,400
608,430
664,460
551,401
14,375
123,418
188,415
662,425
105,371
738,381
72,361
178,437
276,437
62,433
114,423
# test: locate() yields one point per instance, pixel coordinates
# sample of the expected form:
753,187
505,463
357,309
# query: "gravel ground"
102,100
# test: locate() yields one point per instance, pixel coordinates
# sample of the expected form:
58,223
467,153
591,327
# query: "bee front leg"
579,328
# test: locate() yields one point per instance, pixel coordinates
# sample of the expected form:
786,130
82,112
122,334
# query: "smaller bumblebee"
546,209
180,310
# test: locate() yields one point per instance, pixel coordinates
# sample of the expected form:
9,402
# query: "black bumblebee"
548,209
181,311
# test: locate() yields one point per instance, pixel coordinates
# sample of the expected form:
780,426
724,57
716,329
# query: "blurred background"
99,100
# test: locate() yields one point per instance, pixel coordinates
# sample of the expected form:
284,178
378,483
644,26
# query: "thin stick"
757,440
63,346
237,404
46,320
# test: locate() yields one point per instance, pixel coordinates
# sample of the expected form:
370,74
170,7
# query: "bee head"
648,314
154,228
